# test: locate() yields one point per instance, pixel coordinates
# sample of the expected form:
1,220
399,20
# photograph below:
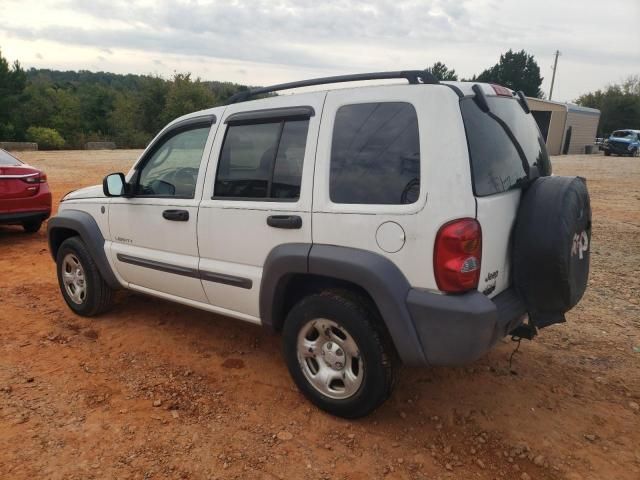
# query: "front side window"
262,160
375,154
172,170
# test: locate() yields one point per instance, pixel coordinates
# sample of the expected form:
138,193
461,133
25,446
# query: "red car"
25,198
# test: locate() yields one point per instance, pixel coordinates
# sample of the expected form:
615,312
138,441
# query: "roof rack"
413,76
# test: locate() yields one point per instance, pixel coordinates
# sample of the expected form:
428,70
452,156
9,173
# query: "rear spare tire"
551,247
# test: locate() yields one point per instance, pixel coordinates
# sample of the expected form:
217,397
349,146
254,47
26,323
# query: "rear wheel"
635,152
81,284
337,353
32,226
607,153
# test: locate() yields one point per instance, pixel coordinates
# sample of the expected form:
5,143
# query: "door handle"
290,222
176,215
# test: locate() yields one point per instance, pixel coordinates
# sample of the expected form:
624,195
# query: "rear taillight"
39,178
457,254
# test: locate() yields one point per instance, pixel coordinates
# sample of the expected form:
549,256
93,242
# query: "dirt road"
157,390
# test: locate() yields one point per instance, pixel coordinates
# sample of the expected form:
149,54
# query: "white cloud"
279,40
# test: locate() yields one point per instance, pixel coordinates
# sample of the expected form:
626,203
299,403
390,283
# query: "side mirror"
114,185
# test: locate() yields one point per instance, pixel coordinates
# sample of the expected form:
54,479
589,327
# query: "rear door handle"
290,222
176,215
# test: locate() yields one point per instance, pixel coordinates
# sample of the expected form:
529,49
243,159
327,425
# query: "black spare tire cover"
551,247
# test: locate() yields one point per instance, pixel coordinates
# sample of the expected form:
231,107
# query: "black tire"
607,153
359,319
32,226
99,296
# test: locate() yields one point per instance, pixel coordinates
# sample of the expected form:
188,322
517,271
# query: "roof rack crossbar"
413,76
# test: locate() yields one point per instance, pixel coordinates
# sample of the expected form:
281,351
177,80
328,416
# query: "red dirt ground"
77,396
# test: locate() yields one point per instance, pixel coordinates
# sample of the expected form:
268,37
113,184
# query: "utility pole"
553,78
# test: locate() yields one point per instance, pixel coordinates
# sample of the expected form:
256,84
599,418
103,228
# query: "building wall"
556,132
583,123
584,126
556,124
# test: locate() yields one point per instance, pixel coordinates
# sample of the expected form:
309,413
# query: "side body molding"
377,275
63,225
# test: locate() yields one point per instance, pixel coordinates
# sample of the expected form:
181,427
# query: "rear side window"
262,160
375,154
8,160
496,163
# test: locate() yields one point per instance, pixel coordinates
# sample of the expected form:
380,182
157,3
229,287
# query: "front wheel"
81,284
338,354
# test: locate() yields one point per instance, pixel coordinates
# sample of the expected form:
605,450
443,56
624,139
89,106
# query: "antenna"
553,78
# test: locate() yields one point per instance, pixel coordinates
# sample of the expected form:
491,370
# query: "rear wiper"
484,106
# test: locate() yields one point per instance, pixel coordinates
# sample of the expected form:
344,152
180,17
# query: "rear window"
7,159
494,138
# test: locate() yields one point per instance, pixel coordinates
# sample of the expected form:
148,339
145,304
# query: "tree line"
515,70
619,105
68,109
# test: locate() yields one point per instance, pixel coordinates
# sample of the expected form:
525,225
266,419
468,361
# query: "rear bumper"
18,210
20,217
458,329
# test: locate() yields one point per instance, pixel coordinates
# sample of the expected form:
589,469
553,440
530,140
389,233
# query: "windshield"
622,134
505,145
8,160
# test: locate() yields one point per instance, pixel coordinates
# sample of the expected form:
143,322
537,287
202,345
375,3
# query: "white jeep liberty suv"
413,223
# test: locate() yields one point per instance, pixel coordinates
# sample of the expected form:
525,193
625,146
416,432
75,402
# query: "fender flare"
377,275
87,228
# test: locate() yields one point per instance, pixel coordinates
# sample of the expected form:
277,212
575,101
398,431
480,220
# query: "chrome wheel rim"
330,359
73,279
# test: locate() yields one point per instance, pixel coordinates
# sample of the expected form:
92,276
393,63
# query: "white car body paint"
231,237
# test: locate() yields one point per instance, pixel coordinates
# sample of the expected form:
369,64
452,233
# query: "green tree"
619,105
86,106
12,82
46,138
96,102
126,121
50,105
151,101
186,96
442,72
517,71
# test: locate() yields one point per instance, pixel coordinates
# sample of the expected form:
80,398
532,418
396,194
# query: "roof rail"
413,76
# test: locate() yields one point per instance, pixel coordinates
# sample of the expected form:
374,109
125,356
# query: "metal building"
567,128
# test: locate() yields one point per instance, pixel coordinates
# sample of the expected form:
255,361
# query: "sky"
261,42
